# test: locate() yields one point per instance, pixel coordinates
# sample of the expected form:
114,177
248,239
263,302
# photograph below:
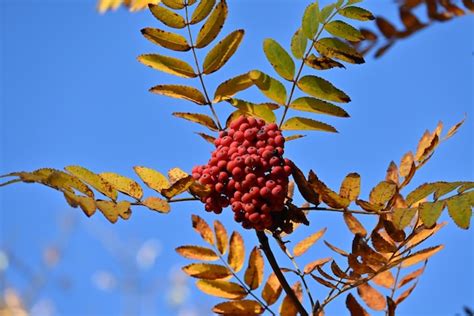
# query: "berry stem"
265,246
198,69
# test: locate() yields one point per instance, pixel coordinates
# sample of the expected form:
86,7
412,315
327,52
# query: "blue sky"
72,92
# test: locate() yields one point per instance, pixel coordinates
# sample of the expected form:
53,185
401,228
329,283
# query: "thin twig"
199,73
317,208
265,246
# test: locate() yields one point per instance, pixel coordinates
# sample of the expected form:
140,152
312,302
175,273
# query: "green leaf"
420,192
166,39
202,10
222,52
430,212
356,13
174,4
123,184
93,180
313,105
302,123
263,111
334,48
298,44
168,64
322,63
279,58
344,30
460,209
167,17
382,192
198,118
180,92
402,217
270,87
153,179
212,26
320,88
229,88
326,12
310,22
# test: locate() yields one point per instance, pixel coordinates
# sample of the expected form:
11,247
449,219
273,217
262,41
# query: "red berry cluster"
248,172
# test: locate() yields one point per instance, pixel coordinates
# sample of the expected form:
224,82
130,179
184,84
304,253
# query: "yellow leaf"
382,192
334,48
236,252
109,209
93,180
87,204
306,243
202,10
407,164
138,5
263,111
61,180
350,187
298,44
176,174
294,137
239,308
152,178
203,229
343,30
254,274
174,4
123,184
224,289
105,5
328,196
419,256
287,307
270,87
198,118
207,271
166,39
426,145
310,22
156,204
221,237
168,64
213,25
230,87
222,52
272,290
197,252
302,123
373,298
180,92
167,17
208,138
356,13
178,187
354,225
313,105
321,88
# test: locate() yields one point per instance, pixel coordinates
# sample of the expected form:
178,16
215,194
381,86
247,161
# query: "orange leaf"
203,229
287,307
306,243
373,298
221,237
220,288
354,225
197,252
354,307
207,271
242,307
254,274
236,252
272,290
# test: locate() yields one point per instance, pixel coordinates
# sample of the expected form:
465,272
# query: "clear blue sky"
72,92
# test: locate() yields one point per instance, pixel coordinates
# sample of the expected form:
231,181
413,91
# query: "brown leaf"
369,207
287,307
407,164
197,252
391,306
178,187
421,234
331,198
303,185
338,271
272,290
386,28
354,307
384,279
350,187
220,288
203,229
392,173
303,246
419,256
236,252
405,294
373,298
411,276
314,264
221,237
381,244
354,225
239,308
207,271
338,250
254,274
324,282
394,233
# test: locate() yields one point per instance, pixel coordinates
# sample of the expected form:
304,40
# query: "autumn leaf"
207,271
123,184
373,298
303,246
197,253
222,52
221,237
170,65
213,25
236,252
279,59
321,88
272,289
220,288
203,229
93,180
242,307
202,11
152,178
253,276
167,17
157,204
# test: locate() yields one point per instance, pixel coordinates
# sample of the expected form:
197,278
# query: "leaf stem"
199,72
317,208
295,81
265,246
